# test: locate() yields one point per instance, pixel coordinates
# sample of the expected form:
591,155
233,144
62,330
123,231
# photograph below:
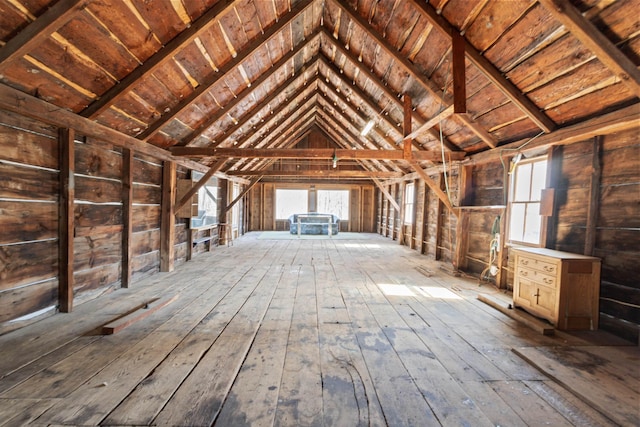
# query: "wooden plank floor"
294,332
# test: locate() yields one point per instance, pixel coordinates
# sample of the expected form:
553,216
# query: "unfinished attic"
319,212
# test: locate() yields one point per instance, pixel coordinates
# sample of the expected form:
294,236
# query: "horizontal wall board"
27,221
15,303
146,218
28,183
95,161
28,263
97,250
146,194
26,147
98,190
96,278
145,241
88,215
145,172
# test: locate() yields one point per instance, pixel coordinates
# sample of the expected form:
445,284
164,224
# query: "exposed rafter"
39,30
601,46
255,46
489,70
158,59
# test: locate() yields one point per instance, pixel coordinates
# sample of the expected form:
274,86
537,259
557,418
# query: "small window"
409,197
528,179
290,202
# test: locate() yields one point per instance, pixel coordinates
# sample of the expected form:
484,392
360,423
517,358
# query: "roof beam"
268,100
618,121
247,52
590,36
329,126
427,84
295,132
247,91
395,97
37,31
157,60
324,173
301,153
489,70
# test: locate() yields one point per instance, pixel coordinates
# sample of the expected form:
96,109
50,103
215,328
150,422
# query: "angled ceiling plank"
205,178
268,100
330,90
328,128
627,118
356,139
406,125
157,60
246,52
590,36
276,113
447,112
255,165
489,70
37,31
247,91
359,93
410,68
381,86
374,167
297,130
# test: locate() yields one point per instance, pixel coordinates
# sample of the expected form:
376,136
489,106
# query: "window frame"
528,203
409,203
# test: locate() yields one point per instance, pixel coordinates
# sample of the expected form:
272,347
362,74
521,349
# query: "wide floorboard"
311,332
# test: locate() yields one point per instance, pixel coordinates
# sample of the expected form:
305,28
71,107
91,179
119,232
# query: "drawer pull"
549,269
523,273
547,281
524,261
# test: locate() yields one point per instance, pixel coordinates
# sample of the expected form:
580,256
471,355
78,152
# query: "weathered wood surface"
616,393
290,332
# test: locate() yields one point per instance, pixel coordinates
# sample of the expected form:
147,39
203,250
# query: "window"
408,202
334,202
527,182
289,202
235,210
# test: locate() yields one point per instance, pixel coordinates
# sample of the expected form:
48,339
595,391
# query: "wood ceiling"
233,78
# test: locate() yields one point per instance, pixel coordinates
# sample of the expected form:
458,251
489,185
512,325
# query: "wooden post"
66,220
462,241
407,126
224,195
127,215
554,177
594,203
402,188
414,202
459,73
425,218
167,217
438,250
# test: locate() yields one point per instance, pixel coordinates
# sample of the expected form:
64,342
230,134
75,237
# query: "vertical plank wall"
29,210
29,190
614,224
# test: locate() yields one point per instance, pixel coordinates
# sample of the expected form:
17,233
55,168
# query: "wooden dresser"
561,287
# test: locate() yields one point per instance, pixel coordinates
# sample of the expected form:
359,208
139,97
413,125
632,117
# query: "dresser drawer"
537,276
538,264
